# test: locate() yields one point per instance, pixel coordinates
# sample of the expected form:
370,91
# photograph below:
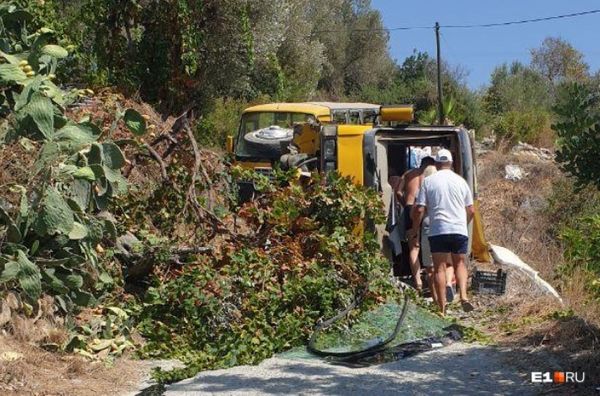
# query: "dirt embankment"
544,333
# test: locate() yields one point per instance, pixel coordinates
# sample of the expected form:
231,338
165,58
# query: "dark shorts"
407,219
449,243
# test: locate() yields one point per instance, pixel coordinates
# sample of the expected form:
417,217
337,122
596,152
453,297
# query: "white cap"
443,156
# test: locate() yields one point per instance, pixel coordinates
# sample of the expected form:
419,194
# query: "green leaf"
95,154
11,74
80,193
41,109
53,92
74,281
75,136
85,173
54,214
83,298
10,272
113,156
29,277
13,60
79,231
54,50
25,96
111,230
51,280
13,235
105,278
135,122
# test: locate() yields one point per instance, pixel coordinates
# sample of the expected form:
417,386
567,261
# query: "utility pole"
441,115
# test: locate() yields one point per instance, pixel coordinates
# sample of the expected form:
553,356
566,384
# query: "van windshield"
260,133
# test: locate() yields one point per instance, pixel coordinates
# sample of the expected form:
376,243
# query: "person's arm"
470,213
417,214
400,190
469,203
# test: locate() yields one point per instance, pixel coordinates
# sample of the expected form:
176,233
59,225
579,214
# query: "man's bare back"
409,186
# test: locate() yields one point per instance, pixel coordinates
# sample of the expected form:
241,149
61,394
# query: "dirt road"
459,369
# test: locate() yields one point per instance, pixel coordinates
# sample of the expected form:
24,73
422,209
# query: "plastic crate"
489,282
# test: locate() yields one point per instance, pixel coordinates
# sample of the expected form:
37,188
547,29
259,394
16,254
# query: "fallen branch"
192,197
163,168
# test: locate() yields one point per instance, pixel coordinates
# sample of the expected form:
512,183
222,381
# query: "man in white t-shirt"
448,201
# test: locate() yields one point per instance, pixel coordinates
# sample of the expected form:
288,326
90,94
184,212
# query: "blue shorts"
449,243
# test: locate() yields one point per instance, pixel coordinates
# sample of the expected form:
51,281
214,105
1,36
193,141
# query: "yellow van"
373,154
266,130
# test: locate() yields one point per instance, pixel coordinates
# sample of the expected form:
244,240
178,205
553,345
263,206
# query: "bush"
223,120
525,126
578,128
263,293
582,243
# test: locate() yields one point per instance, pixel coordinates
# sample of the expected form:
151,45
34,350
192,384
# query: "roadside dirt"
29,370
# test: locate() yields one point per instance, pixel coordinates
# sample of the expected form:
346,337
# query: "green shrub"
264,293
222,120
582,243
525,126
578,129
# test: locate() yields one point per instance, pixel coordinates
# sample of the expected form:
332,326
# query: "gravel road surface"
459,369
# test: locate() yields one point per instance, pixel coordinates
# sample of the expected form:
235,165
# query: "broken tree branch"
163,168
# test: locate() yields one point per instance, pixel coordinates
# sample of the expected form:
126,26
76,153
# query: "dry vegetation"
538,330
59,374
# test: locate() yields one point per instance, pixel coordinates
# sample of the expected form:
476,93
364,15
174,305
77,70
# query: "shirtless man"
407,194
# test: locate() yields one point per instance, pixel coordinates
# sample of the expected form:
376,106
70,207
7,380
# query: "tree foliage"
179,51
578,129
49,223
558,60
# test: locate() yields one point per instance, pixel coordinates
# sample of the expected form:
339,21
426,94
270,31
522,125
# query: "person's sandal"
467,306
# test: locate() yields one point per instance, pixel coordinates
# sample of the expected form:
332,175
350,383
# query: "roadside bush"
525,126
582,251
221,120
264,292
578,129
50,234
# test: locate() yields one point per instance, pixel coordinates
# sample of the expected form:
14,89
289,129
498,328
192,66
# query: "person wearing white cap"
448,201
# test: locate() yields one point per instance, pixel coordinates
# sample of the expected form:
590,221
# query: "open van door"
387,154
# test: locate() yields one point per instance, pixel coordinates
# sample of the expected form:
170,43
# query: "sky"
479,51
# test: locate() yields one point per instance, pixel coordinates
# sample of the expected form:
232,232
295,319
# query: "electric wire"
470,26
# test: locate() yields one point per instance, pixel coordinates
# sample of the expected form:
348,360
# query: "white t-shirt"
446,195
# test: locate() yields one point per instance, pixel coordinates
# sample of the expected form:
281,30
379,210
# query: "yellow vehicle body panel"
350,151
306,138
252,165
307,108
479,245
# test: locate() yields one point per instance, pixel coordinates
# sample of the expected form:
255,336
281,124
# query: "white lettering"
536,376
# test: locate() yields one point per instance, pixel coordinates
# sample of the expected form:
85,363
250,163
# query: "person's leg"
450,289
415,267
459,248
413,249
460,270
431,280
439,265
449,272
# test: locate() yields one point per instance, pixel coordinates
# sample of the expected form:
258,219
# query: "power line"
473,26
523,21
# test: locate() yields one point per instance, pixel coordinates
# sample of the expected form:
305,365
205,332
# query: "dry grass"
38,372
513,211
537,329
